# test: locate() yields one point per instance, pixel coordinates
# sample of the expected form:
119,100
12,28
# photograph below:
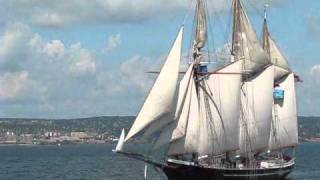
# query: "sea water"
97,162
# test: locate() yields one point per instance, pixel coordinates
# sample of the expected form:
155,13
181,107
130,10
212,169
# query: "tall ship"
233,121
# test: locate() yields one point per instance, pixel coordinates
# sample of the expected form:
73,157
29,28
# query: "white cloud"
12,43
313,25
55,80
82,60
113,42
63,13
134,71
315,70
48,19
55,48
308,92
11,84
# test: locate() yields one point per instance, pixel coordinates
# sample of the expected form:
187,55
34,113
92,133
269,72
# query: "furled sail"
157,110
284,131
276,57
256,112
214,130
201,26
245,44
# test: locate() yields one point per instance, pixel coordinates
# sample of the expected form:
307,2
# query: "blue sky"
79,58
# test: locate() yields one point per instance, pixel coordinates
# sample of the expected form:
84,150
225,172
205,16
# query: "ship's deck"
259,165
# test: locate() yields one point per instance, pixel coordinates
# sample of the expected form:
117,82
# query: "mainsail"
256,112
257,86
275,55
157,109
219,109
284,131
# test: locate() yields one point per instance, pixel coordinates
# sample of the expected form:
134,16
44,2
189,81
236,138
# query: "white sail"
182,111
157,109
120,142
215,132
280,72
189,142
177,128
246,45
280,62
201,26
219,111
276,57
284,131
256,112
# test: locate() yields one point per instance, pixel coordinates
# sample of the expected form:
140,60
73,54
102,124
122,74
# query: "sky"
80,58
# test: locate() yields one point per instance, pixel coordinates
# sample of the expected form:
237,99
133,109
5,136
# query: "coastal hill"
309,127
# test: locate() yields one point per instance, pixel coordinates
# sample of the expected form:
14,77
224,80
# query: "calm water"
97,162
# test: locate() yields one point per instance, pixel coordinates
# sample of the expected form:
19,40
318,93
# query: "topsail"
245,44
275,55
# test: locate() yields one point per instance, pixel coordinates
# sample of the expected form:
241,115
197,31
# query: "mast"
207,122
284,130
265,38
257,85
236,29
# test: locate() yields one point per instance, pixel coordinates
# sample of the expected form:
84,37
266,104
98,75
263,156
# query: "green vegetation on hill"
309,127
100,125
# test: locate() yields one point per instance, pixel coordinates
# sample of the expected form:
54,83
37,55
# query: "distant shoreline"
84,144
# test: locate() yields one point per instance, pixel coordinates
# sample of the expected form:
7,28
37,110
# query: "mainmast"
256,87
208,104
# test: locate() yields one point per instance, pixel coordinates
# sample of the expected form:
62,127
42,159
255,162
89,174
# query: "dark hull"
186,172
